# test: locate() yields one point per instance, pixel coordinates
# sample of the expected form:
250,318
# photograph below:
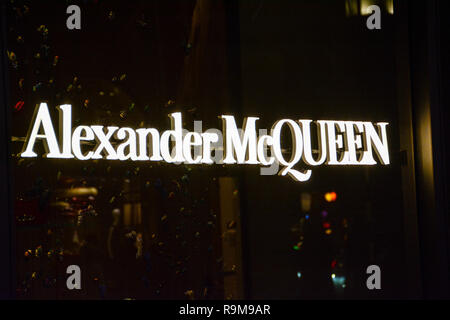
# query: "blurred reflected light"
351,8
305,199
333,264
299,275
365,4
80,192
390,6
359,7
298,246
330,196
338,281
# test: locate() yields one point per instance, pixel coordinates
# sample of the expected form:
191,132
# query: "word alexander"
339,142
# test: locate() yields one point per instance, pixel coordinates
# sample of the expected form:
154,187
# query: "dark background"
272,59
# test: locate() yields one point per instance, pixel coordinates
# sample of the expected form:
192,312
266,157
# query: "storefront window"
137,226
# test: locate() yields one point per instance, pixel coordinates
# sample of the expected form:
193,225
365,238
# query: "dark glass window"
157,230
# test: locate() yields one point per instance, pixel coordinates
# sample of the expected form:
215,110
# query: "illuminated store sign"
337,142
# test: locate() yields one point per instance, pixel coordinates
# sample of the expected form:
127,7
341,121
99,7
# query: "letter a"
74,280
374,281
74,20
42,117
374,20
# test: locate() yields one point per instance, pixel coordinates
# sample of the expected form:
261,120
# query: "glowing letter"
242,144
354,141
103,140
153,135
322,143
177,133
77,137
208,139
264,141
188,144
65,130
130,143
297,149
372,139
335,142
42,116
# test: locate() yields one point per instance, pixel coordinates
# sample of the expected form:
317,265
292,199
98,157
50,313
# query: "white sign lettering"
311,143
